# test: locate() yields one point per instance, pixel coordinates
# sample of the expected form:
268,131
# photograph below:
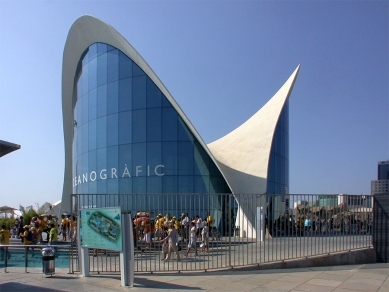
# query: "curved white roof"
243,155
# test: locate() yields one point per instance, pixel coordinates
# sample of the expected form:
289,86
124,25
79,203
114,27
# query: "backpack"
30,236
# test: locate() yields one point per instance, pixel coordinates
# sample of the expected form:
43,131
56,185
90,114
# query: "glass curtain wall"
128,138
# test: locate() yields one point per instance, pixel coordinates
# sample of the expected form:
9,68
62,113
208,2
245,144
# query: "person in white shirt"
184,226
192,238
173,239
199,225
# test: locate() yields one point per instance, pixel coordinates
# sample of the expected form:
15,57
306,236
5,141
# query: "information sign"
101,228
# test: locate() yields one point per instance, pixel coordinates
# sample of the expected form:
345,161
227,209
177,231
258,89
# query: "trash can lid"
47,251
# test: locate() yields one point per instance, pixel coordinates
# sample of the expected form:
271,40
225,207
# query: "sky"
221,61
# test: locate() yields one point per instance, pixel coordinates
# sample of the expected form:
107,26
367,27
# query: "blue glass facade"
278,170
128,138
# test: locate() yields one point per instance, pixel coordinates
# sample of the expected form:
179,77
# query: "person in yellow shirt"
41,227
74,235
5,235
64,227
53,236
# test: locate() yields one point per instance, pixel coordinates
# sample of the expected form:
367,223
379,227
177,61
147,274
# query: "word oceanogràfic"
113,174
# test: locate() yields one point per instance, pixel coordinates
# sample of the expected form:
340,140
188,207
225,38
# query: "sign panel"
101,228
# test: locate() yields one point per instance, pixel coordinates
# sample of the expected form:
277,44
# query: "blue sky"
221,61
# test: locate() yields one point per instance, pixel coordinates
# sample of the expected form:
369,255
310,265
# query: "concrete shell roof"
243,154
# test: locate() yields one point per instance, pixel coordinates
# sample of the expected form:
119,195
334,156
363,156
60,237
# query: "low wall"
355,257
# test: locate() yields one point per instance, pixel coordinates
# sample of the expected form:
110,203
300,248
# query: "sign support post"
127,253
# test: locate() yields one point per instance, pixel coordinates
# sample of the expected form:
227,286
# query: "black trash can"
48,261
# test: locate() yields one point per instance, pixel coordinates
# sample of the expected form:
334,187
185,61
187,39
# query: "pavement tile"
372,274
341,277
324,282
365,281
359,287
293,278
316,288
237,286
281,285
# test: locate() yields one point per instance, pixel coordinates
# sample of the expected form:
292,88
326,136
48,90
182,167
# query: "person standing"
172,237
5,235
53,238
21,228
192,238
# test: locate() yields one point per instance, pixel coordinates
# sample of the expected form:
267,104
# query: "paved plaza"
367,277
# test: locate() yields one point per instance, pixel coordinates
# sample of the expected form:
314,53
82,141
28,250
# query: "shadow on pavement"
14,286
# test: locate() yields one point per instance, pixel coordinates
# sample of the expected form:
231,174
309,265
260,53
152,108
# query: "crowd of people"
169,230
309,225
39,230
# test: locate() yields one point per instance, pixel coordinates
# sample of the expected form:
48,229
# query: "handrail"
26,247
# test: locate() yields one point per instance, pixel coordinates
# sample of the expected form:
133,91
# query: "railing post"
26,260
6,259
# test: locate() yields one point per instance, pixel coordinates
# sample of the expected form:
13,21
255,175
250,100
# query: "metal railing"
247,229
29,256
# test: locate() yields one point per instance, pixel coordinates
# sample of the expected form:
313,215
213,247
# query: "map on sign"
101,228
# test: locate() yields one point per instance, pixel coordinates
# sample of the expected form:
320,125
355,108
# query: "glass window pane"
125,94
136,71
101,69
154,95
154,185
92,137
139,132
85,79
113,65
139,185
139,92
102,101
112,129
185,158
112,186
154,159
92,163
201,184
165,102
79,140
85,138
125,161
125,185
113,97
101,187
139,159
101,163
92,105
154,124
92,74
92,53
125,127
84,112
185,184
101,48
170,184
201,160
125,66
169,124
183,133
102,132
169,157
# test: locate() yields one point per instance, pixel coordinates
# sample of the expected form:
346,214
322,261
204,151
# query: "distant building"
381,185
383,170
